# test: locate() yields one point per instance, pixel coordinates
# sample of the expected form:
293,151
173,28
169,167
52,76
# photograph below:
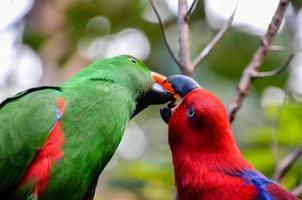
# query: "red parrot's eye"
191,112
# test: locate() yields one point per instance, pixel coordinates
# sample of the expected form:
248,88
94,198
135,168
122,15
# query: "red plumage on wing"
39,170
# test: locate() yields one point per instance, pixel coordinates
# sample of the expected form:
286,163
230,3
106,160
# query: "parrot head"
130,75
199,122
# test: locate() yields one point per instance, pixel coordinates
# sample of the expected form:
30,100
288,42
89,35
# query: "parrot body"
55,141
207,162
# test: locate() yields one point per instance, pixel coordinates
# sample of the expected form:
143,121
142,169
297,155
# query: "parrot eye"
191,112
132,59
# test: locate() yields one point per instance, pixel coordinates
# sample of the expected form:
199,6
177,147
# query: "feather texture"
207,162
38,171
56,140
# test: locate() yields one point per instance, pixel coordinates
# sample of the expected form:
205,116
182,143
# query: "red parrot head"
207,162
199,122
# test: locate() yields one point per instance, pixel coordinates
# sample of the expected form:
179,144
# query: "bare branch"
276,71
184,38
297,191
191,8
277,48
276,125
257,60
287,163
164,33
205,52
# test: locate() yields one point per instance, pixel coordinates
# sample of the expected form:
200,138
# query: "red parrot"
207,162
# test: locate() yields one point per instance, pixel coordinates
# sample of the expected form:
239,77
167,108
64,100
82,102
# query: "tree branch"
276,71
257,60
184,38
276,125
287,163
191,8
164,33
277,48
205,52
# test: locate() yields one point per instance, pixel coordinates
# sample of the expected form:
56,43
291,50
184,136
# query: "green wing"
25,121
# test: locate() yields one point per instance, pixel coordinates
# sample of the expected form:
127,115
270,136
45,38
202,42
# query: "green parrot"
56,140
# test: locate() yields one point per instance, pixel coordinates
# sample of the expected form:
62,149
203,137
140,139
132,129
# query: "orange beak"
162,80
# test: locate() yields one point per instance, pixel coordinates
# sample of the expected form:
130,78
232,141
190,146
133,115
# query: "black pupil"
133,60
191,112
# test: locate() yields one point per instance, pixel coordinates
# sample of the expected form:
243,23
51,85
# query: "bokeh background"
45,42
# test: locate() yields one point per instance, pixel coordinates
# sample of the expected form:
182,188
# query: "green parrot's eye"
191,112
132,59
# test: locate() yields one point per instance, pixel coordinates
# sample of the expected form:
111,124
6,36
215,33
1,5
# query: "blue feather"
58,114
259,181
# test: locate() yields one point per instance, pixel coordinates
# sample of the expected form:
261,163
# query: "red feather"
39,170
278,193
207,162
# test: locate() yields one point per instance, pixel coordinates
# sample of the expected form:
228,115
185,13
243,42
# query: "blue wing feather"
267,189
259,181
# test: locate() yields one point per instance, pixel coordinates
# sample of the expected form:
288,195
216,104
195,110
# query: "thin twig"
205,52
276,125
163,29
277,48
257,60
297,191
287,163
276,71
191,8
184,38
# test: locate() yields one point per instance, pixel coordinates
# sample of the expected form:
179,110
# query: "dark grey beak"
182,86
166,113
158,95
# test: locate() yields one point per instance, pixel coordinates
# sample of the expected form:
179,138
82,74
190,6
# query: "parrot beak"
162,80
181,85
161,92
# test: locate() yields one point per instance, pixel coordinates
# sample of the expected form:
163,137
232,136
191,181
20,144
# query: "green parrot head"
129,74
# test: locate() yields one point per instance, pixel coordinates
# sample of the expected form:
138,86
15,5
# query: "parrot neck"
201,172
93,125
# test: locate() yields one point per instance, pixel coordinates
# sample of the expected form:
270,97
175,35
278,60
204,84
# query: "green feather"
25,124
99,101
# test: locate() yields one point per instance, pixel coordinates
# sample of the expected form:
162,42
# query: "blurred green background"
45,42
